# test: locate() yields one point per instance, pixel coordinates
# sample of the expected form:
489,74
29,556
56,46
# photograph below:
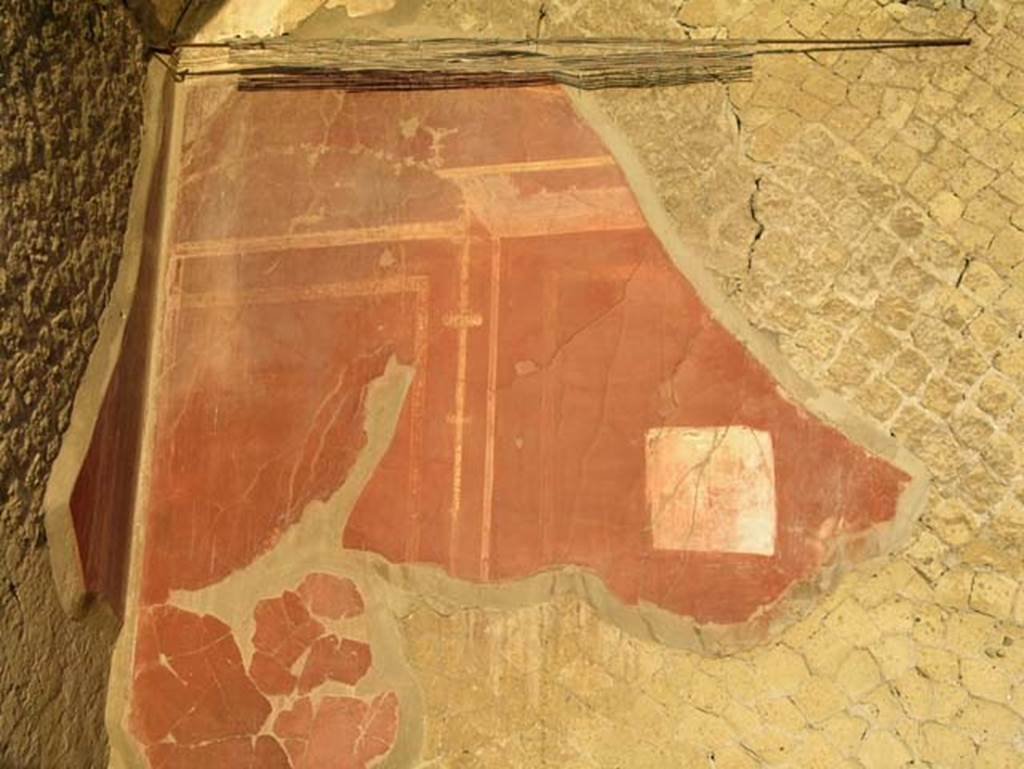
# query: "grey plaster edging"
163,118
65,560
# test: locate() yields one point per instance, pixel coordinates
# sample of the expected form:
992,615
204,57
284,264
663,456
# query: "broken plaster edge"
163,118
62,541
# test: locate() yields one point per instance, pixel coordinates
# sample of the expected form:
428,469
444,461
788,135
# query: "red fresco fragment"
348,733
269,754
344,733
330,597
194,705
101,500
284,628
334,659
295,722
488,240
236,753
190,683
269,675
232,752
296,749
299,448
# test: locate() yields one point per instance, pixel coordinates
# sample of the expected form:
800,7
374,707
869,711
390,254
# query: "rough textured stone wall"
868,210
70,119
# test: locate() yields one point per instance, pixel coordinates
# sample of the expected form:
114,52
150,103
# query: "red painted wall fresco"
573,403
197,703
487,239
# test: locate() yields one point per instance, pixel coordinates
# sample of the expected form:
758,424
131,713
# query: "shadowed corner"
167,22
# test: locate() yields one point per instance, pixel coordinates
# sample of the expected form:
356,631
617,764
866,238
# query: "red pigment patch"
269,754
295,722
284,628
102,503
237,753
301,447
194,705
347,733
330,597
334,659
233,752
102,498
270,675
190,684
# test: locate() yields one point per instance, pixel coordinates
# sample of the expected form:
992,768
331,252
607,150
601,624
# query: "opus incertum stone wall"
863,209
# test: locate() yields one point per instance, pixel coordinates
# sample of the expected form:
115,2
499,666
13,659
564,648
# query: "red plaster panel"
549,332
331,597
348,733
284,628
334,659
102,497
486,240
343,733
190,682
246,438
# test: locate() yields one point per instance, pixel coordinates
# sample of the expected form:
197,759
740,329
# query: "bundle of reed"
441,63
